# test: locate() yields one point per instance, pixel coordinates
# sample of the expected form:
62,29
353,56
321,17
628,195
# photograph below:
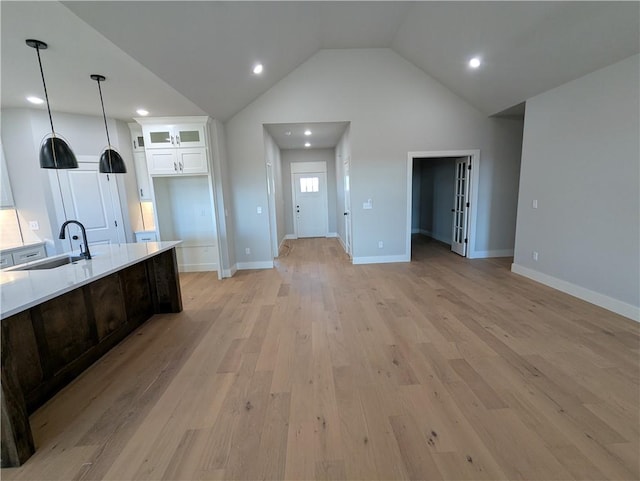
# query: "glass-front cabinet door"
189,135
159,137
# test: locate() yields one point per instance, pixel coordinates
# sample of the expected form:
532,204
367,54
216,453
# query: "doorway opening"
442,197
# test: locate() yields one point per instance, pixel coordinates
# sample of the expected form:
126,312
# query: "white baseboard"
243,266
601,300
344,246
230,272
381,259
290,236
198,267
332,234
428,233
493,253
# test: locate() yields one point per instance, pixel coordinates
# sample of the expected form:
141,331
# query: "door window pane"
309,184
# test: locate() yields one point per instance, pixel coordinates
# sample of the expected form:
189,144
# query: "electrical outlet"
247,251
33,225
534,203
380,244
534,255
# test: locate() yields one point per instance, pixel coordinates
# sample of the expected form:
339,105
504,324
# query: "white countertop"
20,290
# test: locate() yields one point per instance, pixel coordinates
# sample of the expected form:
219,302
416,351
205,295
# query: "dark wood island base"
46,346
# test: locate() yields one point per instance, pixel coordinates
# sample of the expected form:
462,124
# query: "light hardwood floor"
443,368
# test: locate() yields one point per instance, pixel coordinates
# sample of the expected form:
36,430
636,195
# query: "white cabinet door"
162,162
192,161
28,254
6,197
158,137
6,260
142,175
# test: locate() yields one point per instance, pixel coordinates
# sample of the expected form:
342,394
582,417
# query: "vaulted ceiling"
182,58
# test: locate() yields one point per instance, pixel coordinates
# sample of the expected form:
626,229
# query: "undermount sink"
49,263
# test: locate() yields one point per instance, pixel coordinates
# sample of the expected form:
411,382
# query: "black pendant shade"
111,161
55,153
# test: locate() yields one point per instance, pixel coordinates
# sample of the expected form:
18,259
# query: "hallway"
442,368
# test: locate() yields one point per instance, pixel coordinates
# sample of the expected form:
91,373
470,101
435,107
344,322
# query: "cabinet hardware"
134,145
141,194
31,255
172,142
178,139
181,167
175,167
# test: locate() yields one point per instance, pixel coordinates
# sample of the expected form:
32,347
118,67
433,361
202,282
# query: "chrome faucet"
86,254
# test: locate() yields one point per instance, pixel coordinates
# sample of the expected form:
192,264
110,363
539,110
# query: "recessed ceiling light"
35,100
307,132
258,68
474,62
142,112
288,132
307,144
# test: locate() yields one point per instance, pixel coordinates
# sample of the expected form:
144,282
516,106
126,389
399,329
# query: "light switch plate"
33,225
259,210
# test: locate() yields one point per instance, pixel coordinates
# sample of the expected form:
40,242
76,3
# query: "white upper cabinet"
174,135
176,146
137,139
142,176
6,196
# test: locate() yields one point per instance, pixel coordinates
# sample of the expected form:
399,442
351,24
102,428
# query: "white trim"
173,120
291,236
494,253
380,259
332,234
230,272
308,167
344,246
206,267
243,266
601,300
473,187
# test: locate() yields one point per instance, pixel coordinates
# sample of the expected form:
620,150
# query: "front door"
460,207
92,199
310,204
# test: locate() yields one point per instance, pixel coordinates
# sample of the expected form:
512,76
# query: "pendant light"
54,152
110,161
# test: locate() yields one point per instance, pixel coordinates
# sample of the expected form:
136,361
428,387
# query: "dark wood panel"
166,285
108,305
137,296
17,332
65,326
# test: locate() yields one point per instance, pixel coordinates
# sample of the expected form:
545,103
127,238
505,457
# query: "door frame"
474,159
309,168
348,221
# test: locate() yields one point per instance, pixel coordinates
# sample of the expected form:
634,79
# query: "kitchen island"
57,322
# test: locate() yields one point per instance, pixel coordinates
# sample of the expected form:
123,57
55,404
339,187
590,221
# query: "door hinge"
469,166
115,222
107,177
468,204
466,240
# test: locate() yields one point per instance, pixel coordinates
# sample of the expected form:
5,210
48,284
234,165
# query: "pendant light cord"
104,116
46,95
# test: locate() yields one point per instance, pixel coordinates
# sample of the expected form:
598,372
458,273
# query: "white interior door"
460,207
347,205
92,199
311,212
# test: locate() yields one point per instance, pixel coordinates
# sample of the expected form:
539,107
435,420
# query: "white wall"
394,108
306,155
22,133
581,161
273,156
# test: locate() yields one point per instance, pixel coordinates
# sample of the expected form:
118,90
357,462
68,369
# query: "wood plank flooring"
443,368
